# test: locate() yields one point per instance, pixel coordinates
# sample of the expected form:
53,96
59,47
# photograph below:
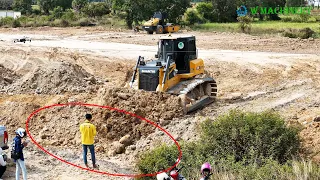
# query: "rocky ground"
92,65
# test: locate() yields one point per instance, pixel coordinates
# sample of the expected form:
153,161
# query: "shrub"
289,33
30,24
44,18
23,21
304,33
6,21
304,17
60,23
317,17
57,12
312,19
70,16
245,23
206,10
270,170
84,22
16,23
238,144
105,20
296,19
122,15
251,136
96,9
228,169
161,158
192,17
36,11
286,19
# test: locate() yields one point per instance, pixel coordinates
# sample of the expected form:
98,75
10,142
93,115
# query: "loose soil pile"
56,79
7,76
311,140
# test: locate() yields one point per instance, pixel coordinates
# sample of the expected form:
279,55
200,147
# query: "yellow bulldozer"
177,70
158,24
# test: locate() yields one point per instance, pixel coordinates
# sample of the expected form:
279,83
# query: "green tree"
273,4
226,10
96,9
192,17
22,5
46,5
6,4
57,12
65,4
135,10
206,10
174,8
77,5
294,3
138,10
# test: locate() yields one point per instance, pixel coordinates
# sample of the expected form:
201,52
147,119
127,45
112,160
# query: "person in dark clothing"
18,147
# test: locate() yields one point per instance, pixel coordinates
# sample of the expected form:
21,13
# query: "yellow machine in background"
157,24
177,70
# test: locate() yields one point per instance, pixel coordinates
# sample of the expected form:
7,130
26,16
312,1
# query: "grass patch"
258,27
35,7
222,27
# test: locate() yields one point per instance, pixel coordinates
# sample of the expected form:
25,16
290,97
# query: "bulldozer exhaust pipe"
135,72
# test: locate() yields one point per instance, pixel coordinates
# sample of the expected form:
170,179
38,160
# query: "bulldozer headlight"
148,71
175,72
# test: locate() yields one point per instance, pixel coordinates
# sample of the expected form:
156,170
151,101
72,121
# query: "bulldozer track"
196,93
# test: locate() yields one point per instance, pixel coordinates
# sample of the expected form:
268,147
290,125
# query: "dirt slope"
7,76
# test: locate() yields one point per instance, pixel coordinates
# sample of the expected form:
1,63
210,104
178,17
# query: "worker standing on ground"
18,146
88,132
3,164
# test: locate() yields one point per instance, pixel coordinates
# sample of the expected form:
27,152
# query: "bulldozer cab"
181,51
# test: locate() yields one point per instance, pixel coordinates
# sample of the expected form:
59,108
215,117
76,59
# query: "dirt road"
92,66
132,51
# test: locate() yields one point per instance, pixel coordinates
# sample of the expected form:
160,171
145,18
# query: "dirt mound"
157,107
7,76
59,126
55,79
311,138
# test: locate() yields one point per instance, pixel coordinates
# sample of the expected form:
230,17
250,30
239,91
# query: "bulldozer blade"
204,101
195,93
